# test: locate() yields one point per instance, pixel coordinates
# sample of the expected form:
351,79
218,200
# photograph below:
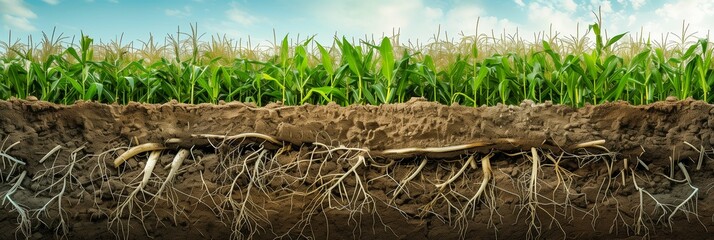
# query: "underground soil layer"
416,170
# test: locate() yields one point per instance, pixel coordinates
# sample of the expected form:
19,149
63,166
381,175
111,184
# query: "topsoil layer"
617,189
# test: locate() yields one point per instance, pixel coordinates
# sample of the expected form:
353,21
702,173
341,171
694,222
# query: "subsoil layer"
394,171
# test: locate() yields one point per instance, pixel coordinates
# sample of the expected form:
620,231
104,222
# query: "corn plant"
476,70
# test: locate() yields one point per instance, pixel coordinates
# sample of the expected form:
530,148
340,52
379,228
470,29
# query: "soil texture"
416,170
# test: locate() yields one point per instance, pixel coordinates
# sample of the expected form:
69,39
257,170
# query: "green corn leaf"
326,60
689,52
284,47
478,81
75,84
73,53
640,58
270,78
324,92
387,54
302,54
614,39
598,37
474,50
370,98
94,89
132,82
350,55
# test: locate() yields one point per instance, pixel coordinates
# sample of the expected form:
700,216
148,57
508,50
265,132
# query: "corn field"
474,70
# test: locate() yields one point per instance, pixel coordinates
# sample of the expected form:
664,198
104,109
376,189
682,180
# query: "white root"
360,162
136,150
688,199
336,194
246,214
594,144
57,148
23,216
458,174
437,149
243,209
701,158
149,168
65,181
671,167
129,201
701,152
416,172
14,187
686,174
17,162
533,192
403,183
470,205
487,172
11,145
534,175
175,166
2,154
474,165
639,221
639,161
239,136
623,171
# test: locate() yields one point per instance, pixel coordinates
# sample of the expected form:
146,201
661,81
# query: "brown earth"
338,172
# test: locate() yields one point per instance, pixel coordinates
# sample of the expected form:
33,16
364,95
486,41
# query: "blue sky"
417,19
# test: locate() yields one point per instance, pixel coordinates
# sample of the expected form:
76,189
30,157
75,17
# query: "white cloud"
569,5
660,22
18,22
16,15
631,20
698,14
695,11
238,15
636,4
606,6
414,19
172,12
16,8
464,19
183,12
563,18
51,2
420,19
